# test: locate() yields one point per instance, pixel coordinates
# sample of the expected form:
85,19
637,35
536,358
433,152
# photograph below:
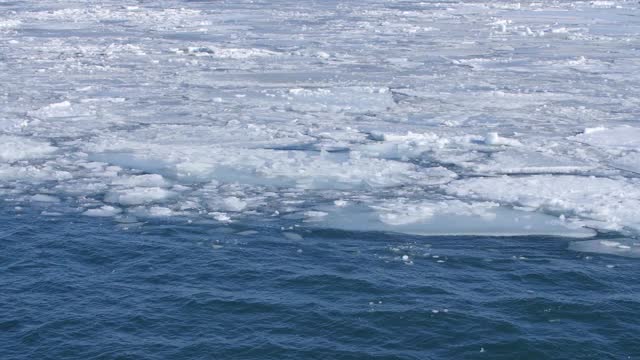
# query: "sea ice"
414,118
137,195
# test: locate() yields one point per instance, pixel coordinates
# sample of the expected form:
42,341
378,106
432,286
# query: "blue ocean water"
85,288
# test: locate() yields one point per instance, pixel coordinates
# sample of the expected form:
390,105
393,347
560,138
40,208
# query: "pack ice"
464,118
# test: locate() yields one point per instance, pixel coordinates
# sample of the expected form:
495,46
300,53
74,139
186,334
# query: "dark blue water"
83,288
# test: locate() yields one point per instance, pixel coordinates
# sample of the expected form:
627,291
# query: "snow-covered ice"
429,118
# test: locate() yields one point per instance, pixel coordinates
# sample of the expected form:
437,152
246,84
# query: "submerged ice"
474,118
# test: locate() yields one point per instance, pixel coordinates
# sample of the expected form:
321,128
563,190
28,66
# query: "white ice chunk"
32,173
233,204
147,180
45,198
493,138
104,211
220,216
58,109
138,195
403,146
13,148
152,211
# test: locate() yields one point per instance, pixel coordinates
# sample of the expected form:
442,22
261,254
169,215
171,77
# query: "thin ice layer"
442,218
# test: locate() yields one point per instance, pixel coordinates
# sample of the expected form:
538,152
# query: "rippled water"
82,288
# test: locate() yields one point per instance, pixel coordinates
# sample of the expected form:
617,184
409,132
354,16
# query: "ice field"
509,118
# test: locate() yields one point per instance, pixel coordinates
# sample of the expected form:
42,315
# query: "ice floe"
621,247
453,217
